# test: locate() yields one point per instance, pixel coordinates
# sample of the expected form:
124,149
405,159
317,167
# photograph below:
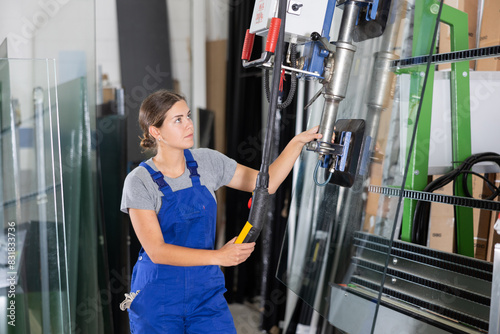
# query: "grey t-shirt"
141,192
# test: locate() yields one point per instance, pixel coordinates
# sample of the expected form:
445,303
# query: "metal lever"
272,40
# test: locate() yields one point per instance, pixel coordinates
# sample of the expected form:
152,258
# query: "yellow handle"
243,233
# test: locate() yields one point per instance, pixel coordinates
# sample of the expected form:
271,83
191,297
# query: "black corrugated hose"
422,209
293,83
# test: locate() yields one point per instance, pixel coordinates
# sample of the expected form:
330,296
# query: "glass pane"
338,255
34,292
78,154
405,245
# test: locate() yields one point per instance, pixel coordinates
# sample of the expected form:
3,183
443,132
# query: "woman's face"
177,128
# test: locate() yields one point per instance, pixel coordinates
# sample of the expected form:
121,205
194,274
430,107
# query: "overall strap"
157,177
193,168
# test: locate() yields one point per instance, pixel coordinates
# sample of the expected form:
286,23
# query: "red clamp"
272,40
273,34
247,45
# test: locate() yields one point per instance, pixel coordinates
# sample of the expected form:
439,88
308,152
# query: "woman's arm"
281,167
147,229
244,178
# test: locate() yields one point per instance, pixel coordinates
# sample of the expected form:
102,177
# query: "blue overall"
176,299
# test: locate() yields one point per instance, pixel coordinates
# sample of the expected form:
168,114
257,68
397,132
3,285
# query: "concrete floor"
246,318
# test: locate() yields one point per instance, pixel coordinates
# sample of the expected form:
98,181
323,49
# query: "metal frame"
425,11
353,314
494,326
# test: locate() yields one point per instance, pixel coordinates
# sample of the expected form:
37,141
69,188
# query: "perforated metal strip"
449,57
437,309
437,198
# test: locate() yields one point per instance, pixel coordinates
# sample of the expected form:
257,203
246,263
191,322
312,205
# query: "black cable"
422,209
260,198
273,103
495,190
293,84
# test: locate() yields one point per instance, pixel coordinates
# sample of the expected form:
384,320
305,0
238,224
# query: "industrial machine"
373,63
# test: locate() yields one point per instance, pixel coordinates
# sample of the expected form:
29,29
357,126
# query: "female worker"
177,285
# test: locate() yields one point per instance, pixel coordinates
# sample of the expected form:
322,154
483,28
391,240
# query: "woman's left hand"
232,254
308,135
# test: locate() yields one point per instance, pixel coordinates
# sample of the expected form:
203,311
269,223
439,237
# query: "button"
140,258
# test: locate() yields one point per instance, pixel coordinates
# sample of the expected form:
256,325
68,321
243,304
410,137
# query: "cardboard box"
488,64
490,35
372,199
469,7
108,95
376,180
490,28
442,220
494,237
482,218
216,89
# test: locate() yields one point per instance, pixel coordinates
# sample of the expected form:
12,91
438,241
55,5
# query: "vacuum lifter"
354,278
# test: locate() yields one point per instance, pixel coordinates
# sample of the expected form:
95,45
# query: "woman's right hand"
232,254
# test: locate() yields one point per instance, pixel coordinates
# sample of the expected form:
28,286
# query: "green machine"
373,272
417,179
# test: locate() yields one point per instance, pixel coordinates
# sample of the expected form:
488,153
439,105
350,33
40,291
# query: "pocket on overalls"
147,308
192,228
133,316
148,302
137,298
